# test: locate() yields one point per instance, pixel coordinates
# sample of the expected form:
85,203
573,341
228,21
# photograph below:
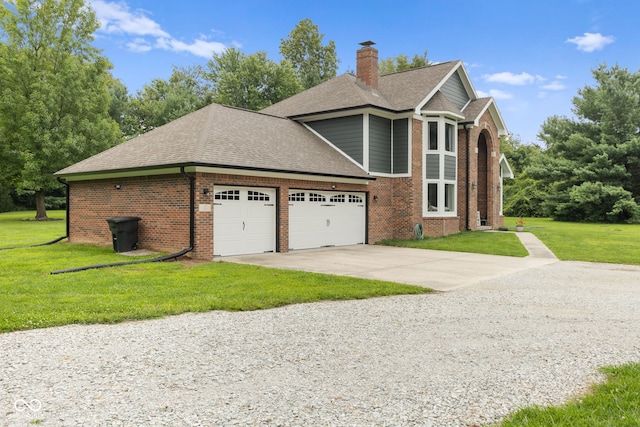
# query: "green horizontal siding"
454,90
401,146
379,144
343,132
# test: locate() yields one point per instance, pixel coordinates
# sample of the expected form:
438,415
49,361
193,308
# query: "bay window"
440,168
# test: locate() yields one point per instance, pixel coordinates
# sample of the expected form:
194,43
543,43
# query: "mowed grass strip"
571,241
480,242
20,228
30,297
616,402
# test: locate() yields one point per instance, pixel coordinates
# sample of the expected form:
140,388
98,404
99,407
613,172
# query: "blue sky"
531,56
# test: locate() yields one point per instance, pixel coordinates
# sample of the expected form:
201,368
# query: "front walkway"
439,270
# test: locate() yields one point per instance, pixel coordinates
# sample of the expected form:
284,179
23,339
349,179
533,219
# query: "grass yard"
612,243
20,228
479,242
616,402
32,298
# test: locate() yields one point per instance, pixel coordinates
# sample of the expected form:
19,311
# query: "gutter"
192,217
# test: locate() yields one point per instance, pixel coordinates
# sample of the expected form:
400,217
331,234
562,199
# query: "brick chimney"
367,64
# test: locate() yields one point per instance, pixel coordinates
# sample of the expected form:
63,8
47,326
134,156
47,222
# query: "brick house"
354,160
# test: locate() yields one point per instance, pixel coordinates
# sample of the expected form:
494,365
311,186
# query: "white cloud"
116,18
139,45
510,78
200,47
590,42
497,94
554,85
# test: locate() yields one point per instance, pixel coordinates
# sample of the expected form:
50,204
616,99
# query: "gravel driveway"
450,359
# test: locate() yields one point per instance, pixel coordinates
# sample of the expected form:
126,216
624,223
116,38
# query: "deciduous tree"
313,62
53,91
250,81
162,101
402,63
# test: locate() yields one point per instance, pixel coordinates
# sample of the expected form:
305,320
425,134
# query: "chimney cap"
368,43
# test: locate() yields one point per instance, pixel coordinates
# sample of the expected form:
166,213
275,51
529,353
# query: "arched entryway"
483,182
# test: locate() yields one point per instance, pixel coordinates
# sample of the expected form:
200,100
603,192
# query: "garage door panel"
244,221
319,219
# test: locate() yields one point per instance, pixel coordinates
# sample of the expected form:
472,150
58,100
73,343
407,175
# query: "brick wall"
394,204
161,201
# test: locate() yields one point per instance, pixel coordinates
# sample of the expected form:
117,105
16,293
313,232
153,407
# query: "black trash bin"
124,230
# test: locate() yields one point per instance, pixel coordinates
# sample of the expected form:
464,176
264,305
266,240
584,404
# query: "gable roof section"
476,108
440,104
340,93
225,137
406,90
401,91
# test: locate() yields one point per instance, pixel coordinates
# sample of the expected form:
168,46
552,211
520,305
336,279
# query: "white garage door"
323,218
244,220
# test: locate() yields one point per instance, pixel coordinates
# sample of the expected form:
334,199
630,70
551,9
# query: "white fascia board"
210,169
123,174
429,113
466,81
507,167
497,118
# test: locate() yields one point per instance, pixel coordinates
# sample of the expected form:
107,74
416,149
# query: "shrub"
596,202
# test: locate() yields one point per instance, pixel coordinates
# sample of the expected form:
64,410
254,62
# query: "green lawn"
612,243
19,228
498,243
616,402
31,298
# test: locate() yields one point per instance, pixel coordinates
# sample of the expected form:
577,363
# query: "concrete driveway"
439,270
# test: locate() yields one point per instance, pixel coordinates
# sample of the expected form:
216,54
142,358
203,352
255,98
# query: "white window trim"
441,213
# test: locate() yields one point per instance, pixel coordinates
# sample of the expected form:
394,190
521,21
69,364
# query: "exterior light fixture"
117,186
205,191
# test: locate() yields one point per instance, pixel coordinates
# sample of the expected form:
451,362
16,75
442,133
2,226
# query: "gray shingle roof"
340,93
475,108
406,89
223,136
439,103
401,91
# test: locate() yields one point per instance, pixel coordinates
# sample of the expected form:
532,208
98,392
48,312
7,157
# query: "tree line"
589,167
59,104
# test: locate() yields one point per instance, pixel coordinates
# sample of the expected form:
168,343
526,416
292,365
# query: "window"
449,137
227,195
296,197
440,168
255,196
449,198
433,135
432,197
339,198
313,197
354,199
